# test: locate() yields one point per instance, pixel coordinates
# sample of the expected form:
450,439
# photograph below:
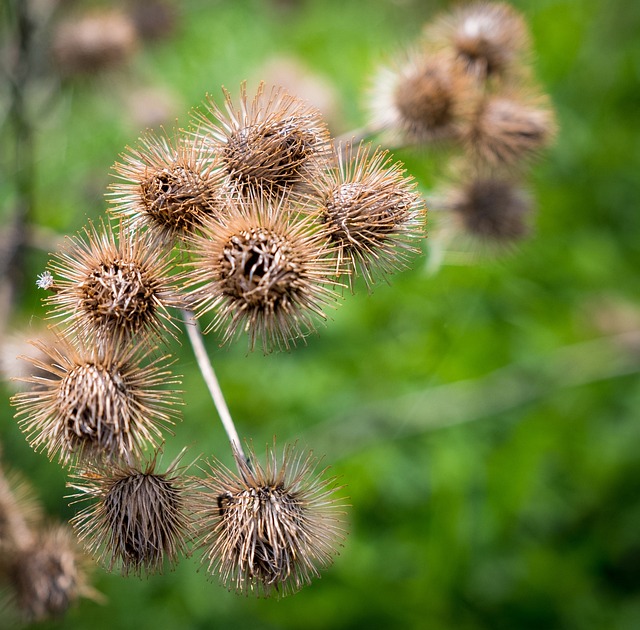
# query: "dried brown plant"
264,269
168,184
136,518
267,145
427,98
371,211
490,38
108,286
493,209
95,403
269,528
47,576
509,129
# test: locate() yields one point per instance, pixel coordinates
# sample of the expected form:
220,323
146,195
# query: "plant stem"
209,376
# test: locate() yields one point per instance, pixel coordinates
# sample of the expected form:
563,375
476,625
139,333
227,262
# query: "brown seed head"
269,528
94,41
488,37
268,145
136,517
371,211
264,270
108,287
493,210
48,576
510,129
427,99
168,185
97,403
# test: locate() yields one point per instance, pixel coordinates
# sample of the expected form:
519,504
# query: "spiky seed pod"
268,145
510,129
492,209
107,287
96,403
490,38
428,98
136,518
264,270
93,42
269,528
48,576
169,185
371,211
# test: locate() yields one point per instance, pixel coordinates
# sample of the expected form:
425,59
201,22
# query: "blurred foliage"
521,516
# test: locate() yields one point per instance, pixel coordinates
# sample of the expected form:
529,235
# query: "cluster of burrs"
467,87
252,220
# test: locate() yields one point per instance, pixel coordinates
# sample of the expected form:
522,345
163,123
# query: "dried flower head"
371,211
269,528
108,287
269,144
263,269
510,128
492,209
136,517
99,402
94,41
428,98
168,185
48,576
488,37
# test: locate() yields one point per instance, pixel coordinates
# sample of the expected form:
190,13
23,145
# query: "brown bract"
428,98
107,287
269,528
136,517
510,129
494,210
168,185
264,269
96,403
269,144
490,38
47,576
371,211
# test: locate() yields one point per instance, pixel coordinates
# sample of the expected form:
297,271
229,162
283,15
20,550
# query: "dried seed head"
488,37
264,270
269,528
493,210
429,98
136,517
168,185
508,129
94,41
95,403
268,145
371,211
48,576
108,287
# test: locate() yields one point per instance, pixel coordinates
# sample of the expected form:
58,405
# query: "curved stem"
209,376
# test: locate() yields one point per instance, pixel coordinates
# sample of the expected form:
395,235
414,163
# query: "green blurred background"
484,418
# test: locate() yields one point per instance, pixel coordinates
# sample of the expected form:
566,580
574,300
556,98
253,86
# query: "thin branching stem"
209,376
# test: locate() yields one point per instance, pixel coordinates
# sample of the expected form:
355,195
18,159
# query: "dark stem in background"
21,126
